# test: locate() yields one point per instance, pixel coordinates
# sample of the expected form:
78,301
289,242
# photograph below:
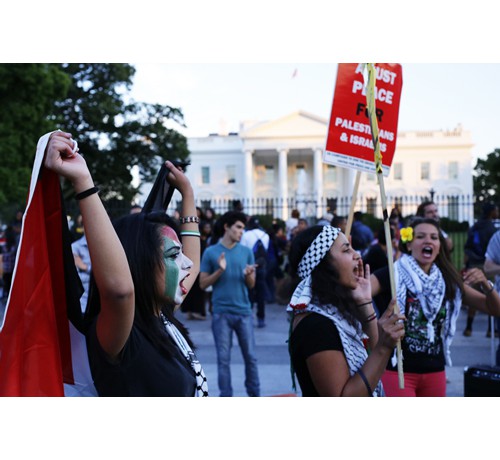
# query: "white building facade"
282,160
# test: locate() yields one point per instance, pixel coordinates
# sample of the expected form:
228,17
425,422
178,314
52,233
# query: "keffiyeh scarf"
180,341
429,290
350,336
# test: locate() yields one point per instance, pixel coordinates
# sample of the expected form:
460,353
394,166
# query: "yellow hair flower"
406,234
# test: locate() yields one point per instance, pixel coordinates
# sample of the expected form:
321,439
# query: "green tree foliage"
27,95
91,101
487,179
114,134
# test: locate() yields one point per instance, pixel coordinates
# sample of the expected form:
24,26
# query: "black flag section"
161,193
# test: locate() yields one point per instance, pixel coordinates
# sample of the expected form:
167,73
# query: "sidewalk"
274,363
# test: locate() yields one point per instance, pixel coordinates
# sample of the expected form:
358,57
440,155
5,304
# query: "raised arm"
190,243
109,262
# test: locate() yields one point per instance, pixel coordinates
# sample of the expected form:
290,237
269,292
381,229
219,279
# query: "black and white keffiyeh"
318,249
429,289
177,337
350,336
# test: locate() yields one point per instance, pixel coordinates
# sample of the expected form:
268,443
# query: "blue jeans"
223,325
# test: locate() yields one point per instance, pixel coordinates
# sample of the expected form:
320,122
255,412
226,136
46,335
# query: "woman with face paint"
142,267
430,292
337,346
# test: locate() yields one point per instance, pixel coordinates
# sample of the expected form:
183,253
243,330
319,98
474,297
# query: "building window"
269,174
453,170
231,174
331,173
425,170
205,175
398,171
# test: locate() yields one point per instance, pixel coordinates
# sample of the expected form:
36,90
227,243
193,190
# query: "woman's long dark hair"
451,276
325,287
140,235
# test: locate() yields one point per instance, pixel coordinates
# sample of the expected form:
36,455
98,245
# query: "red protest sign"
349,141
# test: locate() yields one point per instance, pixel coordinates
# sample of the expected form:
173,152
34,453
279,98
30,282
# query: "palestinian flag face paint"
177,267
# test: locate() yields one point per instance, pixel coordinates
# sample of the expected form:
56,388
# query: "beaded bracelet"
86,193
363,304
186,233
189,220
365,380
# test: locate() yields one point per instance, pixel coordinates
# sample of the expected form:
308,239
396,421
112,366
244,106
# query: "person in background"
253,237
77,230
229,267
291,223
475,246
325,219
361,235
376,257
339,222
83,264
337,346
492,268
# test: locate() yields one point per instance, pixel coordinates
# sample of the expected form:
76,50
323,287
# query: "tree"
90,101
114,135
487,179
27,95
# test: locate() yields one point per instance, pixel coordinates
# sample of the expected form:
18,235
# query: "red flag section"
35,349
349,142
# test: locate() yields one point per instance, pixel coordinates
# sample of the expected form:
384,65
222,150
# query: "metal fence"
456,208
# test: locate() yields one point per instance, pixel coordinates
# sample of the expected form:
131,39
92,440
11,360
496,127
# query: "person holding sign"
429,292
333,318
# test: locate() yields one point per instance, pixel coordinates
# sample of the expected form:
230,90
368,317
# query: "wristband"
86,193
187,233
189,220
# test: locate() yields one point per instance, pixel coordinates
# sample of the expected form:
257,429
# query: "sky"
219,96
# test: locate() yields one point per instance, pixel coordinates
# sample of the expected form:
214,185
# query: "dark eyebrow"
346,244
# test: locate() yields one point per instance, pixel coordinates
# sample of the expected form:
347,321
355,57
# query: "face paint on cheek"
171,269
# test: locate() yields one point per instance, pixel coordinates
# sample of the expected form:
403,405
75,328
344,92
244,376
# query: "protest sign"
349,141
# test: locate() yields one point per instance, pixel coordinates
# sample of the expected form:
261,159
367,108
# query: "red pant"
431,384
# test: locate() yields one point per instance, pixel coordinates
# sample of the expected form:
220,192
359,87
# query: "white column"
283,181
249,186
318,180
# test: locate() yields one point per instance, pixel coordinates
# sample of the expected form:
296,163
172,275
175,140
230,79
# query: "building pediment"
297,124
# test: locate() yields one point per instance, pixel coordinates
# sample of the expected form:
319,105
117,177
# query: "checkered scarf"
318,249
351,336
429,289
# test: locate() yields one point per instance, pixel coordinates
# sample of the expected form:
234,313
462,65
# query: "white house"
282,159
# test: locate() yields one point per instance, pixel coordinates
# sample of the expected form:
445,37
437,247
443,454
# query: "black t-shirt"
313,334
142,370
420,356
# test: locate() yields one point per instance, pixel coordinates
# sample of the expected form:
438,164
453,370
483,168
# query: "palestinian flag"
42,351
